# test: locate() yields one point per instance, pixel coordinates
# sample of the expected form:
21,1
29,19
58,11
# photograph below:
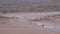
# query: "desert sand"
49,24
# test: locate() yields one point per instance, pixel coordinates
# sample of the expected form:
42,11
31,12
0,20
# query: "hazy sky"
31,2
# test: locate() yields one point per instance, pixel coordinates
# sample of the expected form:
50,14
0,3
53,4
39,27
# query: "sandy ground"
24,28
16,25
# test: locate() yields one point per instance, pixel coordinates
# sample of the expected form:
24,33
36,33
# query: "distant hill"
30,9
